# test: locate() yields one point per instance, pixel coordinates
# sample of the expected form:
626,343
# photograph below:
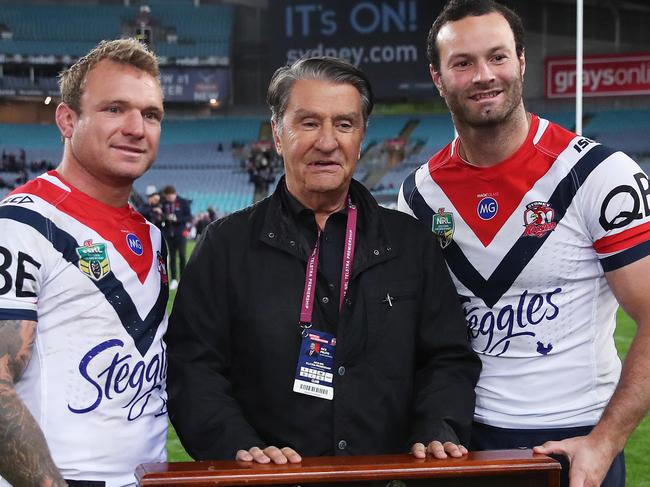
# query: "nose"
327,141
483,73
133,124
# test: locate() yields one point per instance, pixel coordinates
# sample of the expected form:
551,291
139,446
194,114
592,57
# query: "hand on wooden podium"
589,460
438,450
269,454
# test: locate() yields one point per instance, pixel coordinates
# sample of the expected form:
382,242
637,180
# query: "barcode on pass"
313,390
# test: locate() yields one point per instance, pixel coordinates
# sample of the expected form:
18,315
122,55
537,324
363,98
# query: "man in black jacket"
319,265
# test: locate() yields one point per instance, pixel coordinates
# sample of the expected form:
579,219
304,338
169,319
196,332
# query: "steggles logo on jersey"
538,219
162,268
115,375
93,260
443,226
492,331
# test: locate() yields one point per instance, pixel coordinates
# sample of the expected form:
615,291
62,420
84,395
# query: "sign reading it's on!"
385,39
603,75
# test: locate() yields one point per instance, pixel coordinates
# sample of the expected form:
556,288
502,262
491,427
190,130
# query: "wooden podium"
503,468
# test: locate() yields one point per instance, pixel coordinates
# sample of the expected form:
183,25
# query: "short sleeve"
616,208
22,266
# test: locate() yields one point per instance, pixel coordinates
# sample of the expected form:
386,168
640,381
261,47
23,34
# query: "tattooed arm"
25,459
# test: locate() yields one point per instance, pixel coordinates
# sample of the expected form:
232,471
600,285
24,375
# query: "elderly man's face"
320,138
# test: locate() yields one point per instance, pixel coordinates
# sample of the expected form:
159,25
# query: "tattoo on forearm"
24,456
16,339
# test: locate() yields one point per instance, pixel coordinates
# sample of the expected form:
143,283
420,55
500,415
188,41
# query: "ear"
276,138
435,76
66,119
522,63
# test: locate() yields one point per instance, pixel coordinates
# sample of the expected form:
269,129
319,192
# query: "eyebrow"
302,113
500,47
150,108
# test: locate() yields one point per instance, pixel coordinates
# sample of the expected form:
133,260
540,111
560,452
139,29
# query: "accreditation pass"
314,375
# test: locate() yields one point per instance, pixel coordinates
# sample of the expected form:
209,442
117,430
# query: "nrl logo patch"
93,260
443,226
538,219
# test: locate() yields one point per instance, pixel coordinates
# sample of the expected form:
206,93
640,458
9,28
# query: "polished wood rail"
503,468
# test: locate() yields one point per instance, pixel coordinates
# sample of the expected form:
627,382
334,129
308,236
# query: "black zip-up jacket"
404,370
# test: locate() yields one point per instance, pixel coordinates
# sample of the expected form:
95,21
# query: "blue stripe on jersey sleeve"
626,257
142,331
415,201
18,314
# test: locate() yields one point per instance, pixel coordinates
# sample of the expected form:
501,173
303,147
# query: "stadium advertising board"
603,75
386,39
195,84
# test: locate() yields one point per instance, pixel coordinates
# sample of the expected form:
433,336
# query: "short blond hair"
126,51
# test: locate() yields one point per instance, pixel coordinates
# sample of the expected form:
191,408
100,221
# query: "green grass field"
636,452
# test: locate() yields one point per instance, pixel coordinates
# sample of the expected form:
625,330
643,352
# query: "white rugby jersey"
527,242
94,279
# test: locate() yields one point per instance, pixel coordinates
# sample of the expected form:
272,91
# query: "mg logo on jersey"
538,219
134,244
93,260
487,208
443,226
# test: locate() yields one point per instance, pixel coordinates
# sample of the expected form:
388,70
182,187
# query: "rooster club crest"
538,219
162,268
443,226
93,260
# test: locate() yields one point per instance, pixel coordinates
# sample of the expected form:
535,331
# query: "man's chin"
485,119
327,183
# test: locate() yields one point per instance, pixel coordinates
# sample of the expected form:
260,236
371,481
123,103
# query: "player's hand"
270,454
589,459
438,450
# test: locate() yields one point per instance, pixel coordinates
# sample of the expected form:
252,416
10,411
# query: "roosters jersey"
93,277
527,242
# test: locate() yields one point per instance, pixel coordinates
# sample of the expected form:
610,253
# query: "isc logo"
134,244
487,208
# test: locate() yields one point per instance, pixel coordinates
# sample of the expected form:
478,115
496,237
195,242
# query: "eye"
154,116
309,124
345,126
113,109
499,58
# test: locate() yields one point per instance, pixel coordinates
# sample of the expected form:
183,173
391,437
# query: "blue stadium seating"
188,158
435,131
384,127
210,130
49,29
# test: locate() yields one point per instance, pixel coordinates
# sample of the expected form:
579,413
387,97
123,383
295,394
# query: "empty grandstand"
217,56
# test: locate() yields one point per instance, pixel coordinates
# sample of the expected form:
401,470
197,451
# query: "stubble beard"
490,117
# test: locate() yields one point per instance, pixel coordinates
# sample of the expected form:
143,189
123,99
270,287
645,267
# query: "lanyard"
307,307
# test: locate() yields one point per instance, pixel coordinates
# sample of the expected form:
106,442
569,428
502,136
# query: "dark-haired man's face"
480,76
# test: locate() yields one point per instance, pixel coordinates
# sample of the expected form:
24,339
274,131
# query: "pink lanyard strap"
307,308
